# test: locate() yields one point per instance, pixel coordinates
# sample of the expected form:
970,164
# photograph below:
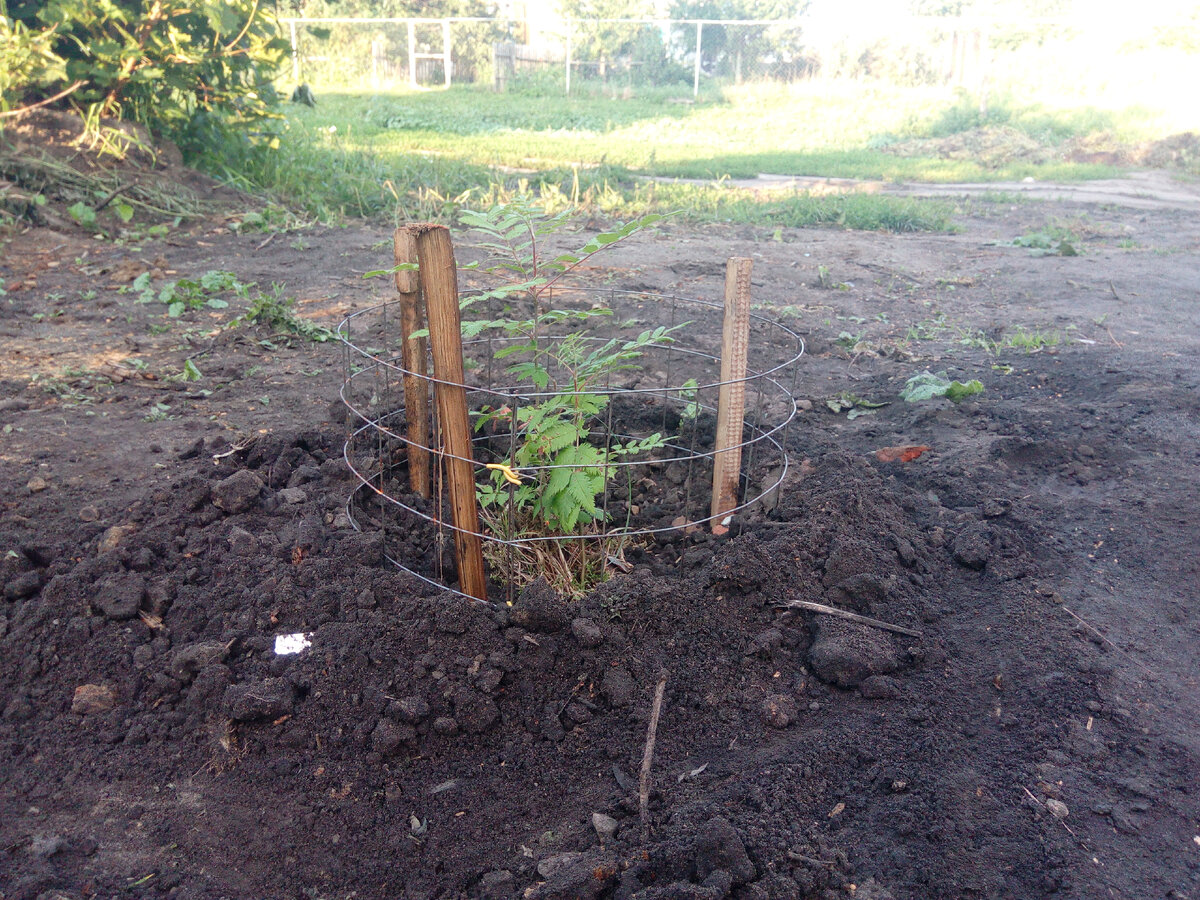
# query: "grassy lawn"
835,130
424,154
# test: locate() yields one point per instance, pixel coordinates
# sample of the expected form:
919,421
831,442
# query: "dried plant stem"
852,617
648,753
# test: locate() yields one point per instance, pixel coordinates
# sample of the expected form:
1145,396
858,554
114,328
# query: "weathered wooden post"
731,400
439,284
413,358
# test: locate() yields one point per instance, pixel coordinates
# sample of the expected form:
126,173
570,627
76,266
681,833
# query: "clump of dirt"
994,146
428,745
1179,151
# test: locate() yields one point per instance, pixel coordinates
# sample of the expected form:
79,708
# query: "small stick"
1096,631
731,399
413,354
1042,804
648,753
113,196
853,617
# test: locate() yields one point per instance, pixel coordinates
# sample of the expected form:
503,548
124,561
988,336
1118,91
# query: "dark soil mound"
425,745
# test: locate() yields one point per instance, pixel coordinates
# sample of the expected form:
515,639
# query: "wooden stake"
439,284
412,354
731,401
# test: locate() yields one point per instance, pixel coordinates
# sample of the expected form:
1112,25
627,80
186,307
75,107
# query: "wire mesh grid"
670,389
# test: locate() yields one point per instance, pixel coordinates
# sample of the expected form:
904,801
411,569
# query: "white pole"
696,76
446,50
568,54
295,54
412,54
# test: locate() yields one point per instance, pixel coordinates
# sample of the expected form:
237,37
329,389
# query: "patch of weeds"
853,405
272,218
927,385
276,311
188,294
1048,242
1029,341
928,329
61,388
976,340
848,341
790,311
159,412
824,280
956,282
140,233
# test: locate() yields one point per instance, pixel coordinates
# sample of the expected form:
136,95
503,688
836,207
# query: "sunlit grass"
834,129
407,154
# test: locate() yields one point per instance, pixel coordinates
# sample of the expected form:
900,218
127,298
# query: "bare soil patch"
1037,740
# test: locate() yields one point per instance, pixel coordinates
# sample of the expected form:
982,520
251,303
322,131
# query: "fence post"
295,53
696,76
446,51
985,58
568,55
412,54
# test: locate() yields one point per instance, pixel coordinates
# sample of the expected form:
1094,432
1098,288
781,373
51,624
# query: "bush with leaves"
556,476
184,68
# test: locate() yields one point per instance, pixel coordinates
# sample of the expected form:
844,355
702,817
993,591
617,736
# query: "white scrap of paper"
287,644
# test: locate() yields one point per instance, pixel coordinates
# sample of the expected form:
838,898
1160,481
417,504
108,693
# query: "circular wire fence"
669,388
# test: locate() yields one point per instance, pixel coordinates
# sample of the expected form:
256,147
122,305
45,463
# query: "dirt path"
1044,548
1149,189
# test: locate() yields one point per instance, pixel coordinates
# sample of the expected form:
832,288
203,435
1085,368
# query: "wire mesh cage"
646,424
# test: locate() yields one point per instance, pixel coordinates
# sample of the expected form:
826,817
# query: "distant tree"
731,49
605,41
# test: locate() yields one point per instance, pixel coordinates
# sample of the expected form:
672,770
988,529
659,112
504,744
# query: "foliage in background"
729,51
27,60
194,70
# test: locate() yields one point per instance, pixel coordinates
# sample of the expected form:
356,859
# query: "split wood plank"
413,353
439,284
731,400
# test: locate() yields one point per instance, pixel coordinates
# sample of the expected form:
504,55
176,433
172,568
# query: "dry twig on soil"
648,754
853,617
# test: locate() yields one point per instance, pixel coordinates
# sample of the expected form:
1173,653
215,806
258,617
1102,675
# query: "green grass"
412,155
834,131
